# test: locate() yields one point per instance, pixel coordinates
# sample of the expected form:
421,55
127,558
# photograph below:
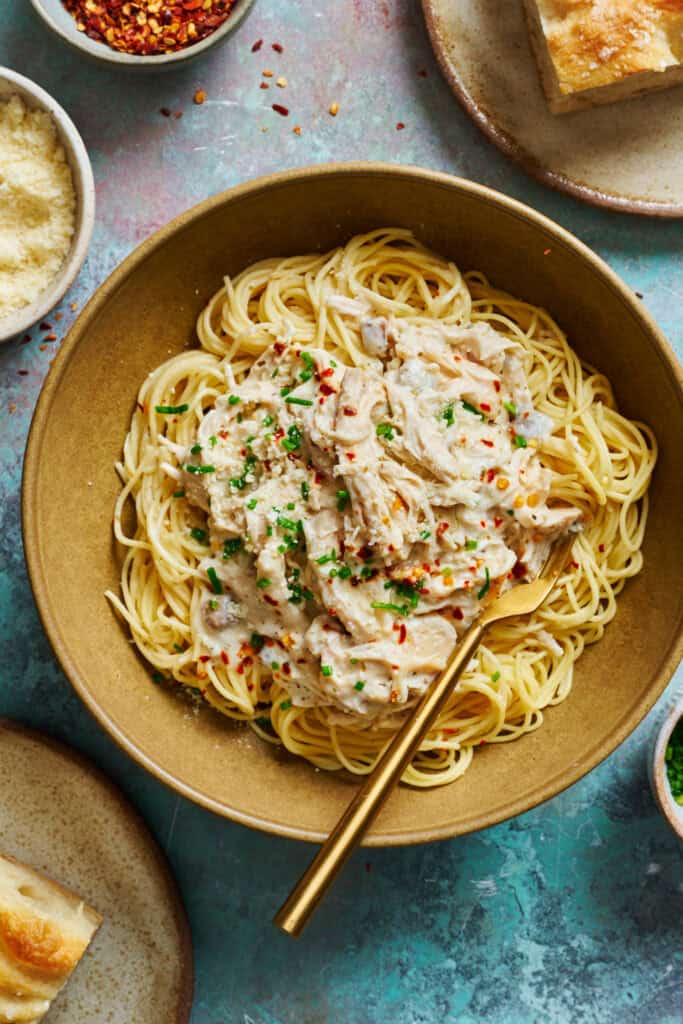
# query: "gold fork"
371,796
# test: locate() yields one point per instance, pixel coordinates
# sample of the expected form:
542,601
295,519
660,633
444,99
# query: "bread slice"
591,52
44,931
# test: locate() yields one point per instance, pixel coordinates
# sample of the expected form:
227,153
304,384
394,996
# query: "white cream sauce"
358,517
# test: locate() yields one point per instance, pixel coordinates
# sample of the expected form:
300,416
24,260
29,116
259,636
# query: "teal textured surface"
570,914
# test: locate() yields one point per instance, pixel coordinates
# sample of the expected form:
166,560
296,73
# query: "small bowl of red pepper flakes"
147,34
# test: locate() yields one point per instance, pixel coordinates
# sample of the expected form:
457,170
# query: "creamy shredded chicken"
358,516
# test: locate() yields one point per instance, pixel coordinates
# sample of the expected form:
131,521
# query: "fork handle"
370,797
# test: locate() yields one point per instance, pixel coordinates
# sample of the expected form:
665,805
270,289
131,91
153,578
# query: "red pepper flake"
240,668
279,109
327,389
496,385
458,614
402,633
350,456
297,129
257,46
279,433
329,372
43,348
601,548
45,326
497,522
50,337
489,444
482,523
546,252
441,529
286,668
12,408
400,126
264,85
250,686
279,347
485,406
164,111
574,565
318,478
270,600
278,47
224,658
199,97
146,28
490,475
393,696
23,373
178,114
519,570
349,410
25,340
223,434
204,657
58,316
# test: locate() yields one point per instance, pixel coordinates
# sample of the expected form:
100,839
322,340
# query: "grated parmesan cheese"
37,204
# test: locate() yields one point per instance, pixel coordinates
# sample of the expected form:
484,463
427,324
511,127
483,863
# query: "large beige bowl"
147,310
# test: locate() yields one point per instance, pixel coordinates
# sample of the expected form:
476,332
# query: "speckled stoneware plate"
147,310
58,814
628,156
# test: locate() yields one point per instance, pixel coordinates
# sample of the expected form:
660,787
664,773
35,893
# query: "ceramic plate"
628,156
147,311
61,816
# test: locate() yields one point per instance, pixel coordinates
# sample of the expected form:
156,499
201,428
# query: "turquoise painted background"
571,914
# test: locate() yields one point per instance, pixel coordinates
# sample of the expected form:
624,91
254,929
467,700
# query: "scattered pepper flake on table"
199,97
279,109
400,126
257,46
145,27
334,109
297,129
282,82
278,47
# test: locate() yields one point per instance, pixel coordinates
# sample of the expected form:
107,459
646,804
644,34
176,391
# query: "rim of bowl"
84,188
102,52
671,811
660,348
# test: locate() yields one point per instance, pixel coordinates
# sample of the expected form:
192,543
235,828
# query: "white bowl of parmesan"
47,203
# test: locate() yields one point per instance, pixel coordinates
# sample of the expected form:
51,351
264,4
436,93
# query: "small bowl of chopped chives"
666,767
47,203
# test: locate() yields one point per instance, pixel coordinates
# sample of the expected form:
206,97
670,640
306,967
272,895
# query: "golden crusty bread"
597,51
44,931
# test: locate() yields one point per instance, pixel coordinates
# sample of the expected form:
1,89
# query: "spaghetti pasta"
595,460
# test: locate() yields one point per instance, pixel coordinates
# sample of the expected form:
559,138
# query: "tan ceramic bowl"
147,310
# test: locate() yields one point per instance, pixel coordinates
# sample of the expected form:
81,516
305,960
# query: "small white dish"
673,812
36,98
55,16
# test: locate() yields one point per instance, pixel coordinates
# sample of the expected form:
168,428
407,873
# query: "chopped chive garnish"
342,500
158,677
292,400
216,584
268,420
485,589
345,572
178,647
326,670
213,441
171,410
307,360
332,363
234,400
275,371
324,559
179,494
200,469
471,545
286,524
195,449
263,721
231,547
284,391
263,583
286,705
257,641
520,442
448,415
511,408
252,503
293,439
425,535
269,531
495,677
367,573
468,407
275,665
290,505
213,604
360,685
511,511
305,490
281,548
400,609
354,661
385,430
199,535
